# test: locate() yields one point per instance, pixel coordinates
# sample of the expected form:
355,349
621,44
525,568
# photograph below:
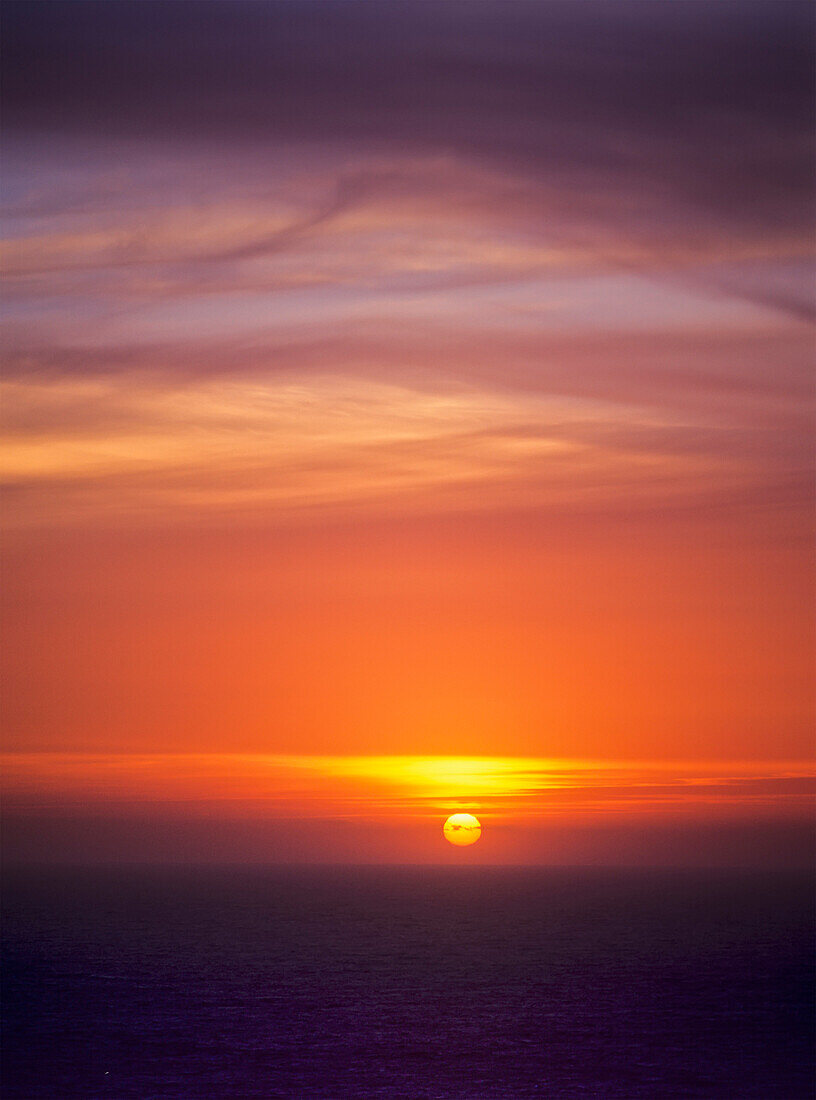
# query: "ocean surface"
363,982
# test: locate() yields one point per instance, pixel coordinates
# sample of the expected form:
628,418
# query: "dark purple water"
407,982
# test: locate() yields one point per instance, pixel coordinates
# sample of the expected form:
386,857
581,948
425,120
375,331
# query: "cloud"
407,223
705,102
249,244
161,444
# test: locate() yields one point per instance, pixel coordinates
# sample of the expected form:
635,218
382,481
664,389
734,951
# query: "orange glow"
458,636
389,808
373,787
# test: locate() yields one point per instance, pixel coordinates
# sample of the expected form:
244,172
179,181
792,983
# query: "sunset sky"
408,407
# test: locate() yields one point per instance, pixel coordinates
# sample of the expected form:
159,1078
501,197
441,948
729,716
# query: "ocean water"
465,983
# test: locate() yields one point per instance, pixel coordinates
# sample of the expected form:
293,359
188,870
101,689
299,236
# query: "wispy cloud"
257,442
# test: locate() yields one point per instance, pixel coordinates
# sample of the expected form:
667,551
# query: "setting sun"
462,829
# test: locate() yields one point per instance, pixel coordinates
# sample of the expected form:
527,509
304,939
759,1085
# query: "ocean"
411,982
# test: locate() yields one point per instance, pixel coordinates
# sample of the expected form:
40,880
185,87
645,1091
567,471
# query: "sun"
462,829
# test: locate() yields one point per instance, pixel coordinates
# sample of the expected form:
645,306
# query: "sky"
425,387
